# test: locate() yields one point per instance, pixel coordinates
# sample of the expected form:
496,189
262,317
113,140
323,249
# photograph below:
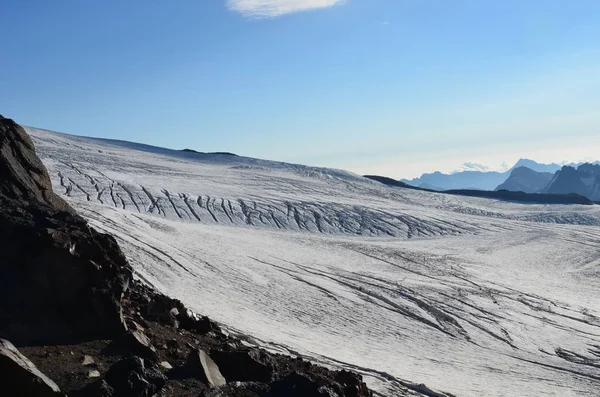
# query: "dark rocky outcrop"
24,177
391,182
213,153
64,280
20,377
78,315
536,198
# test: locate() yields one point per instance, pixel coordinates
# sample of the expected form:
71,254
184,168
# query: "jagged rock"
24,177
200,365
352,384
247,365
94,374
20,377
165,365
88,361
138,344
69,278
130,377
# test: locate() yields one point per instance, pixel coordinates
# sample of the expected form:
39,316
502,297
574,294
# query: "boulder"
200,365
88,361
94,374
130,377
352,384
165,365
299,385
245,365
69,279
137,343
20,377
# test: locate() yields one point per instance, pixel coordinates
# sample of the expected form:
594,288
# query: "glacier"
469,296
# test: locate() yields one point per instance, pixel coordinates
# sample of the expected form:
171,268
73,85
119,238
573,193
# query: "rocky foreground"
74,322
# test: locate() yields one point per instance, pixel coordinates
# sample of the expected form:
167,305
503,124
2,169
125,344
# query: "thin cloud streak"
275,8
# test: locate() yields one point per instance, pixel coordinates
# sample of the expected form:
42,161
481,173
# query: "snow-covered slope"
470,296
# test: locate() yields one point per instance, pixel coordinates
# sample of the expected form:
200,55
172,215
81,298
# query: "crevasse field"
472,297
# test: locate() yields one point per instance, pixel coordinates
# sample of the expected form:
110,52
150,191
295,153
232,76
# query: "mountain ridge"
478,180
584,180
526,180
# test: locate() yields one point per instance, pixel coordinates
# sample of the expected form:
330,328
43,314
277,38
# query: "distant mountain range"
523,179
500,194
485,180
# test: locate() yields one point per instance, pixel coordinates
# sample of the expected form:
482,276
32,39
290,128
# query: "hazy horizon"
501,166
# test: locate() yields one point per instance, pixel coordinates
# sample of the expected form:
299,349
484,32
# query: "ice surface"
470,296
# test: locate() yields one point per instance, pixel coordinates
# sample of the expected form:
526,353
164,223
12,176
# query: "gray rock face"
20,377
64,280
24,177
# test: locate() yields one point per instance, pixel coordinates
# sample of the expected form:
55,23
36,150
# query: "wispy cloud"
275,8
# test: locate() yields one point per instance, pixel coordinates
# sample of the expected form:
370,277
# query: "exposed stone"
130,377
200,365
69,279
245,365
138,344
88,361
166,365
94,374
20,377
352,384
24,177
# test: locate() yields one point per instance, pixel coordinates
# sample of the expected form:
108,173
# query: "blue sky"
393,87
